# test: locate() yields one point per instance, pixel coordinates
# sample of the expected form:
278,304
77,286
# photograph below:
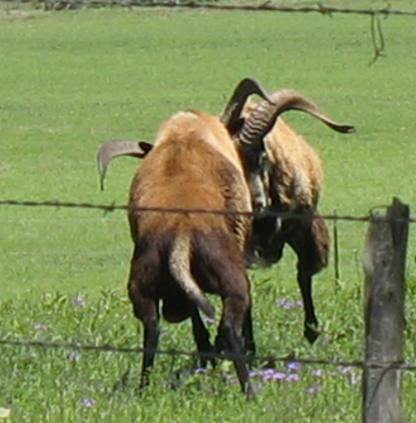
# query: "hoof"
311,333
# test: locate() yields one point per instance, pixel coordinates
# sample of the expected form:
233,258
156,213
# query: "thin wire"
75,346
250,214
266,6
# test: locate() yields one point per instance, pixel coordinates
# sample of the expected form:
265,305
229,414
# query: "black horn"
243,90
264,116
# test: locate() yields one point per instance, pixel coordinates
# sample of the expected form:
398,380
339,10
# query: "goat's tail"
179,264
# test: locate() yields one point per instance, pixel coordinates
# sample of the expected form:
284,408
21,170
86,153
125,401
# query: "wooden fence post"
384,267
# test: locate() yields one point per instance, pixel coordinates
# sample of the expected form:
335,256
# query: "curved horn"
243,90
116,148
264,116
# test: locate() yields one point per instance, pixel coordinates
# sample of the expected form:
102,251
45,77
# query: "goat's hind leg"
249,343
147,310
201,337
229,338
150,341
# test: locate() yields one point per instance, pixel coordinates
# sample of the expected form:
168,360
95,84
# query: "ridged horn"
242,91
264,116
117,148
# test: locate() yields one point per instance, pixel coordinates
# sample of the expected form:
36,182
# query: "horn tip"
349,129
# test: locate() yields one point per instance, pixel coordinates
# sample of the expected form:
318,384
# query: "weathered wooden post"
384,267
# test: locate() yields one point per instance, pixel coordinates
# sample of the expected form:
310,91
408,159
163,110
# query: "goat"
292,175
285,175
194,164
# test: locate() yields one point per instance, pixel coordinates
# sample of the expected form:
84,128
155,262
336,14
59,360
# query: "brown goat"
292,171
284,174
194,164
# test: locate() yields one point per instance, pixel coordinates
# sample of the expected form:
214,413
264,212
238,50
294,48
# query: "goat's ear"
146,147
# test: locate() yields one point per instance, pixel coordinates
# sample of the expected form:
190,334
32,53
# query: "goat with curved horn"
116,148
286,174
263,118
232,112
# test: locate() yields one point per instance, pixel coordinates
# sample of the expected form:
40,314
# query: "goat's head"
255,163
251,131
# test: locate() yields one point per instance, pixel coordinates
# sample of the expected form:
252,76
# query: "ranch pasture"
71,80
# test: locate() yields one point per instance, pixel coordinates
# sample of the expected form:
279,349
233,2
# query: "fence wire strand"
266,6
106,348
106,208
376,30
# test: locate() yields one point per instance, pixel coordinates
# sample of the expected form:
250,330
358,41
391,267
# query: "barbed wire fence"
379,50
378,367
376,28
112,207
107,348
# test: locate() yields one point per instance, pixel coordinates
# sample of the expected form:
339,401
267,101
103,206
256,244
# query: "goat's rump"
214,262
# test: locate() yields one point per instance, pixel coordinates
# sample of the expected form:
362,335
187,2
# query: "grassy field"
69,81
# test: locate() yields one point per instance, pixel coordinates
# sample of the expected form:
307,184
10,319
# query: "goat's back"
194,165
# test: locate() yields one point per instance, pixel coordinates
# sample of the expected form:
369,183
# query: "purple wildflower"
293,377
253,373
318,372
272,375
294,366
88,402
267,374
200,370
289,304
275,375
279,376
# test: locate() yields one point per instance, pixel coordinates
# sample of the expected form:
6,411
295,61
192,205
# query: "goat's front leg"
311,331
311,244
201,336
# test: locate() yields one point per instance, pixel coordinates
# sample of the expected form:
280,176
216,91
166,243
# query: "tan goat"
293,176
194,164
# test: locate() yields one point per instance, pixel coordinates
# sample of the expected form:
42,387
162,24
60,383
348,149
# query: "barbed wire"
187,211
63,204
266,6
376,30
107,348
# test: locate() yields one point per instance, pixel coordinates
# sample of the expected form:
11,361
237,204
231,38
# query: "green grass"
69,81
